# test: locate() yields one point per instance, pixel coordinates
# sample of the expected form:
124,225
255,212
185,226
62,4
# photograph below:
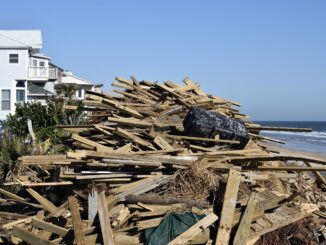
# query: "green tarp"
172,226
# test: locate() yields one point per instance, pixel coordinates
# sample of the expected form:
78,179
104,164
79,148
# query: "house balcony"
39,73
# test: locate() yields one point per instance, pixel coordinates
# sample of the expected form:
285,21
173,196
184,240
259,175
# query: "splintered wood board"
76,221
228,209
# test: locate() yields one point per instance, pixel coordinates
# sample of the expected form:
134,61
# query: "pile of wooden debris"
136,175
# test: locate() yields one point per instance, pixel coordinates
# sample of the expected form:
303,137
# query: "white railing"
39,72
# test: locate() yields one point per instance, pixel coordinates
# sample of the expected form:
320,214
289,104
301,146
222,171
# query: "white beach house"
28,75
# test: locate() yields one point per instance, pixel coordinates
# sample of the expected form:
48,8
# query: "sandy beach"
284,150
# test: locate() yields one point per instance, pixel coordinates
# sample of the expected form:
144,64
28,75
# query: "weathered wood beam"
228,209
47,205
29,237
243,231
49,227
76,221
103,213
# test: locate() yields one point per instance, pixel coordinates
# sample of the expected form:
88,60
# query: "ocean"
314,141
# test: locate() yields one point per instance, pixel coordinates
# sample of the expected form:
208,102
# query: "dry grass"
274,184
196,182
300,232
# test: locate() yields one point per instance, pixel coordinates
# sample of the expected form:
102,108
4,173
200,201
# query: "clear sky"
268,55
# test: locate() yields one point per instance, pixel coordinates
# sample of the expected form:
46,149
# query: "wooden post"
242,234
76,221
230,199
30,129
103,213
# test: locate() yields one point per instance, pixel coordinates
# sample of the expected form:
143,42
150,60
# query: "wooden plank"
99,94
142,187
243,231
122,218
162,143
266,138
125,134
104,217
278,158
149,223
318,176
49,227
286,129
42,158
285,168
12,216
258,214
194,230
29,237
30,184
283,220
11,195
47,205
178,160
123,108
76,221
230,199
201,139
131,122
99,128
137,97
91,143
138,88
10,225
135,184
92,204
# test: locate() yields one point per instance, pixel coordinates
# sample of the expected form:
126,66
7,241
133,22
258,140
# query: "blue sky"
268,55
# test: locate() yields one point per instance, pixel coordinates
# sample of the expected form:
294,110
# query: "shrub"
44,118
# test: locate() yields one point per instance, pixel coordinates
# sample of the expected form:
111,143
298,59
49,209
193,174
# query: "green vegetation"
15,140
11,148
44,119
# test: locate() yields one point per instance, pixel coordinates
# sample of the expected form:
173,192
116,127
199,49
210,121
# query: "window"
20,84
20,96
42,63
79,92
13,58
5,100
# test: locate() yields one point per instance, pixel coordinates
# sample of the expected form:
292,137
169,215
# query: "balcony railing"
39,72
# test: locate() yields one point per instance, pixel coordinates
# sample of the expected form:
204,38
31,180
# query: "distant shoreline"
286,150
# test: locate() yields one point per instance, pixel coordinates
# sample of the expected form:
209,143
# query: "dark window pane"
5,105
20,84
20,96
80,93
5,100
5,94
13,58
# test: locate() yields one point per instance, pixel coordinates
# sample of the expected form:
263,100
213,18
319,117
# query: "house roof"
41,56
68,78
31,39
35,89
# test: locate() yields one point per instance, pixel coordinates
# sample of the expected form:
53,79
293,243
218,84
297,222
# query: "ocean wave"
313,134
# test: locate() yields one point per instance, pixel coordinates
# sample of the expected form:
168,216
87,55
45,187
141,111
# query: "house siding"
10,74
